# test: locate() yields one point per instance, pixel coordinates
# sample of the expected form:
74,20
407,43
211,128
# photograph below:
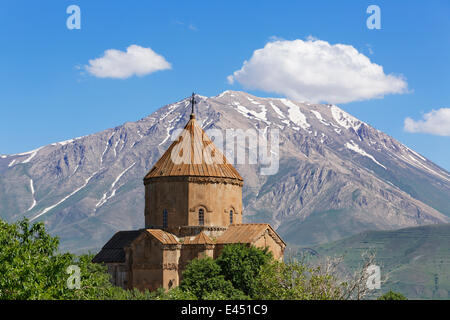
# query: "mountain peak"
335,171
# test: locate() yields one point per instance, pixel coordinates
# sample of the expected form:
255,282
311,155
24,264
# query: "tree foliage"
241,265
392,295
204,279
29,267
297,281
32,268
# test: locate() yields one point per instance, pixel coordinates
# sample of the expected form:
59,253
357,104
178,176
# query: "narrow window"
164,219
231,216
201,217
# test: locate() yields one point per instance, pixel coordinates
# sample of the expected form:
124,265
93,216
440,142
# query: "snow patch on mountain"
354,147
76,169
168,130
416,163
344,119
223,93
32,195
277,110
319,117
295,115
112,190
115,148
416,154
317,114
252,100
251,113
65,198
65,142
31,154
106,148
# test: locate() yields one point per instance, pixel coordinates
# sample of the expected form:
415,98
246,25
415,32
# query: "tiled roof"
244,233
113,250
190,158
163,236
201,238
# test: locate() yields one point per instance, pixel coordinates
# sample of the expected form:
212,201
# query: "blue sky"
46,95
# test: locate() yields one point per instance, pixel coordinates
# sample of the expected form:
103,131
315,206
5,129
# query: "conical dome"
193,154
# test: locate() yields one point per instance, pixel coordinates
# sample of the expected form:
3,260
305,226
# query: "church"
193,208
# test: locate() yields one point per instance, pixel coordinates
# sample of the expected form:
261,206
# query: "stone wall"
155,265
217,199
183,197
166,194
147,257
277,248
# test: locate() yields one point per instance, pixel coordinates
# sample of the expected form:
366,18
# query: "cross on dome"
193,104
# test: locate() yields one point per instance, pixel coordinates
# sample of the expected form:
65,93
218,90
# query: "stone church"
193,208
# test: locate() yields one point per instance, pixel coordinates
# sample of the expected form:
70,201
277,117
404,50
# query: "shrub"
391,295
242,264
203,276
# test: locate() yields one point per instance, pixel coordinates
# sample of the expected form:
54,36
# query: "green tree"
242,264
203,277
31,268
297,281
175,294
391,295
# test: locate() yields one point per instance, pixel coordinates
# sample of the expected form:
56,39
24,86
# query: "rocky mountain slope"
337,175
413,261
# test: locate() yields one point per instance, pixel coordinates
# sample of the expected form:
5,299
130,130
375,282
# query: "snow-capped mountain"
337,175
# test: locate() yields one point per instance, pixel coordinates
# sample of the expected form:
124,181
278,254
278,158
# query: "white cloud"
135,61
434,122
316,71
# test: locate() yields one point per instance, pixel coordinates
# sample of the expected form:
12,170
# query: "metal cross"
193,102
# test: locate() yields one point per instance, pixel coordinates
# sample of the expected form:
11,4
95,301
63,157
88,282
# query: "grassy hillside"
416,260
323,227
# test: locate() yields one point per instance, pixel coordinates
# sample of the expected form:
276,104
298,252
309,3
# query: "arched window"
164,219
231,216
201,217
